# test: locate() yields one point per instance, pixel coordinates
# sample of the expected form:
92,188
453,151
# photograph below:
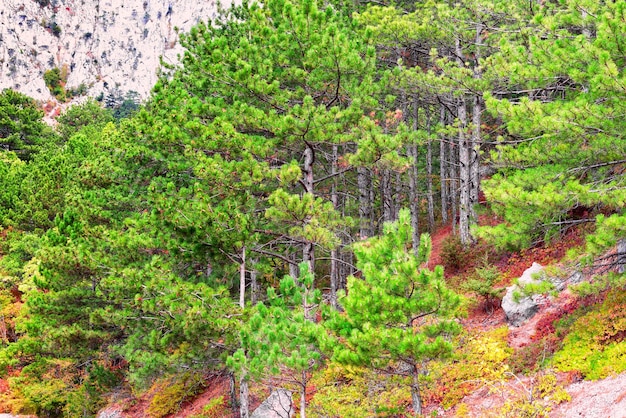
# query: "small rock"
278,405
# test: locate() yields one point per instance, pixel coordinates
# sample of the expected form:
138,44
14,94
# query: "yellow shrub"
354,392
480,359
169,394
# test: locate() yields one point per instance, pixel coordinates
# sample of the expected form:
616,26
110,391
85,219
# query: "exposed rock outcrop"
278,405
103,46
517,307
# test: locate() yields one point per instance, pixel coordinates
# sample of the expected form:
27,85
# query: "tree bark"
476,141
464,175
293,267
303,396
464,164
334,254
386,195
414,204
242,279
453,175
474,148
308,252
365,203
429,178
233,393
416,396
621,255
254,284
443,169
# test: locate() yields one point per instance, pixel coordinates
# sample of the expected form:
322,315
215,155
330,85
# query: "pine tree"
561,160
400,312
22,128
279,341
262,97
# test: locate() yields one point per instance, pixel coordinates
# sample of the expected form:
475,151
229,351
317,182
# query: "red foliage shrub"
4,386
529,357
546,326
545,253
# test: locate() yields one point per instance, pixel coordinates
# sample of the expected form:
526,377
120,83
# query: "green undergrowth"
215,408
338,388
56,388
171,393
595,345
479,360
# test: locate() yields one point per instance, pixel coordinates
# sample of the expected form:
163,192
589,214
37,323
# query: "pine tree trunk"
334,277
453,175
429,180
416,396
334,254
386,195
308,252
621,255
242,279
234,404
308,249
476,141
465,178
474,148
414,200
443,169
365,203
254,284
303,396
293,266
347,267
414,206
398,193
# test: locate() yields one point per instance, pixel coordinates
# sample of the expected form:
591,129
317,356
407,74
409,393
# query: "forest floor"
589,399
604,398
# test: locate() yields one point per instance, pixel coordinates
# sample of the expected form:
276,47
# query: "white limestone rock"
105,45
521,310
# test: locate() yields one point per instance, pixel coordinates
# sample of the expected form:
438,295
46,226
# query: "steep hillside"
102,46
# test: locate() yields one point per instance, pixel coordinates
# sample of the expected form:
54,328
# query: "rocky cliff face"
101,47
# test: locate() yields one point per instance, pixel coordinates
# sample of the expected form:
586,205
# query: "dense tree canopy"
261,213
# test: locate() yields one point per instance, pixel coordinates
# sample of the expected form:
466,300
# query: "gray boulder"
278,405
526,306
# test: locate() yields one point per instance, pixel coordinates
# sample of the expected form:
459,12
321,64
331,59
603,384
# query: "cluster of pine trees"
299,151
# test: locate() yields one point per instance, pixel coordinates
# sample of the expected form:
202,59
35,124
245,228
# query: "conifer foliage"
400,313
247,220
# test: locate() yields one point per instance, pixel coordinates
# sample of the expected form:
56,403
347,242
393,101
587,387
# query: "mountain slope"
102,46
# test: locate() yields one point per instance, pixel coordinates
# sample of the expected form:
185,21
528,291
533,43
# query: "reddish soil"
437,241
590,399
125,405
606,398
